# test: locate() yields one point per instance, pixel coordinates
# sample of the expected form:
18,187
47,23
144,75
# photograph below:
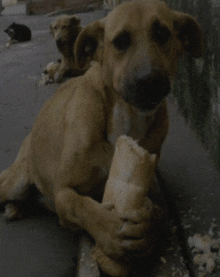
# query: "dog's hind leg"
15,182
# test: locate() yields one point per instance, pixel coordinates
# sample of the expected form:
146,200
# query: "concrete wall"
197,86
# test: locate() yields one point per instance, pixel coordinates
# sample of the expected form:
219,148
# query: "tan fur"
68,153
65,31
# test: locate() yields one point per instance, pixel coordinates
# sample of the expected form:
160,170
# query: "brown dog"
68,153
65,31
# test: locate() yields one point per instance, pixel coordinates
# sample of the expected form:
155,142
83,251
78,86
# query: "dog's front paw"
49,73
58,77
131,236
14,187
140,231
11,212
45,80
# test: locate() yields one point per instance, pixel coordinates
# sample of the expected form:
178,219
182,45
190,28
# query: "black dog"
18,33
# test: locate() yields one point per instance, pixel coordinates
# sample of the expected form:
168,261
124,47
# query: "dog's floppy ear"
189,33
89,43
75,20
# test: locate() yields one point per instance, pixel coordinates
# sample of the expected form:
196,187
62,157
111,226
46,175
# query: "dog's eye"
160,33
64,27
122,41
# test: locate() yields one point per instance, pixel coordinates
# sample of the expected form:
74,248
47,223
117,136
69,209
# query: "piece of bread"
130,178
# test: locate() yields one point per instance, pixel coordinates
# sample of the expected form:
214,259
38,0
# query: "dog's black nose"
155,85
147,89
59,43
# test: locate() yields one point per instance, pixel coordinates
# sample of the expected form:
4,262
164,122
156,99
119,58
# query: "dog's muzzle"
60,44
146,91
10,32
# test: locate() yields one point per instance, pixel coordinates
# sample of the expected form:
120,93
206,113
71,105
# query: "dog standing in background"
64,31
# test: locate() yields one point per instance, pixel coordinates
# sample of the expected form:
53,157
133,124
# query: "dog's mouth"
146,94
60,44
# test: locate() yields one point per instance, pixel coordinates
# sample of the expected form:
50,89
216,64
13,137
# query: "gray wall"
197,88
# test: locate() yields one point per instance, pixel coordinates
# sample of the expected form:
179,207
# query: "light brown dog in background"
68,153
64,31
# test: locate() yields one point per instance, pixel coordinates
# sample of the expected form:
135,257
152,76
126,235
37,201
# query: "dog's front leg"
10,42
59,75
61,72
114,235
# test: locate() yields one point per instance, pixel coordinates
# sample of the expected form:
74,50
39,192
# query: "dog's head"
65,30
138,45
11,30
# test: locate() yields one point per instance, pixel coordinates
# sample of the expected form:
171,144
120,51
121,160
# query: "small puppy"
65,30
17,33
